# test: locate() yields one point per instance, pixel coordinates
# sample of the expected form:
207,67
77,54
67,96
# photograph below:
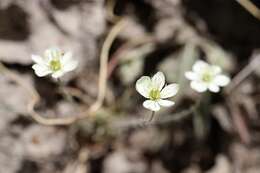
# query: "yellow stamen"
154,94
55,65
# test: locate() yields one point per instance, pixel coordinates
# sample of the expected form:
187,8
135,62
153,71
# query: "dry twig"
243,74
250,7
239,121
111,16
115,57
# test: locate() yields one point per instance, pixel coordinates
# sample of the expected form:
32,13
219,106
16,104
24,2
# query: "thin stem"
59,81
149,121
126,123
200,118
151,117
63,91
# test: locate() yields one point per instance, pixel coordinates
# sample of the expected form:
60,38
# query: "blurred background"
39,127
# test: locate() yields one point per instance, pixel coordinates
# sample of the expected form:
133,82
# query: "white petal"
143,86
58,74
158,80
214,88
71,65
37,59
52,52
169,91
152,105
221,80
198,86
166,103
66,58
41,70
191,75
216,69
200,66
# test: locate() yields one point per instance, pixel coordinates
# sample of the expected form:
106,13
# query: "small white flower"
153,89
54,63
206,77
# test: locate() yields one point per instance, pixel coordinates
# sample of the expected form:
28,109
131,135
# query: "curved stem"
104,63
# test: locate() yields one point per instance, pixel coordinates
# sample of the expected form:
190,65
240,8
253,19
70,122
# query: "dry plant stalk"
243,74
250,7
238,120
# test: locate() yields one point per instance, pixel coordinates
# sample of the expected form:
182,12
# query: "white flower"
153,89
206,77
55,62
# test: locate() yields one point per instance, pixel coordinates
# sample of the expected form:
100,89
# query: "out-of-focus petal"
41,70
214,88
191,75
71,65
52,53
57,74
37,59
215,69
200,66
221,80
198,86
66,58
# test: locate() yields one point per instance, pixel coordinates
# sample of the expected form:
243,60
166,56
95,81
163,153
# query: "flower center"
55,65
207,77
154,94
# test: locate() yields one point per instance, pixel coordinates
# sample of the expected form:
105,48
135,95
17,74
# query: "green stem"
201,119
59,82
65,94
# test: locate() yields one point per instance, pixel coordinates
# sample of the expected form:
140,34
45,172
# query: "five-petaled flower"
54,62
206,77
153,89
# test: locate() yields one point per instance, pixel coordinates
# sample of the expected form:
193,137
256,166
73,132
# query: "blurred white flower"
153,89
54,63
206,77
